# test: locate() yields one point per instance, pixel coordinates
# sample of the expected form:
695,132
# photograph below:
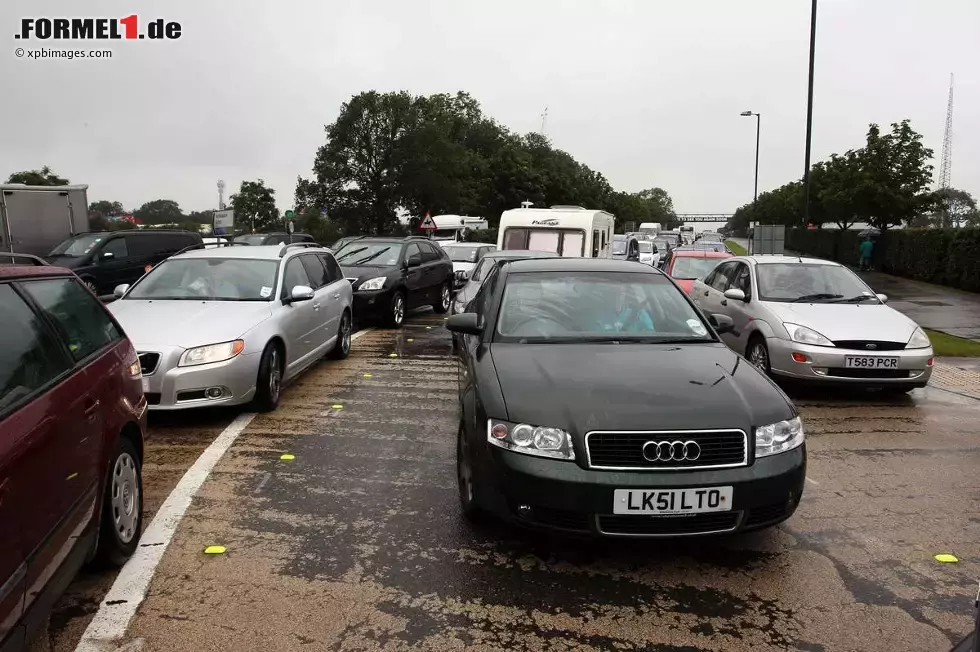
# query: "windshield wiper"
371,257
820,296
351,253
858,299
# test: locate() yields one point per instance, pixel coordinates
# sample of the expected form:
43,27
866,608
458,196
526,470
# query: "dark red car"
687,265
72,422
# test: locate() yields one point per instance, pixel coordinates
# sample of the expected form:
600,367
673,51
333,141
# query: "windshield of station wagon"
596,306
209,279
789,282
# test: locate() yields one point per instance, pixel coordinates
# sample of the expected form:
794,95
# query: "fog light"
800,357
215,392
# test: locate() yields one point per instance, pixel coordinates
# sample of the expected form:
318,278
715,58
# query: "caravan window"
567,242
595,244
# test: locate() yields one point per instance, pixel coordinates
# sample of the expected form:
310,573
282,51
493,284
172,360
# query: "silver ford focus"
230,325
815,320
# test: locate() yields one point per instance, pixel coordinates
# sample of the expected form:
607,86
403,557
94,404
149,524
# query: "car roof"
579,265
259,252
768,259
9,272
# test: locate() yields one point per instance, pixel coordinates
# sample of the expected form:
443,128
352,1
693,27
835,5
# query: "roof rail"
35,260
567,206
302,245
199,245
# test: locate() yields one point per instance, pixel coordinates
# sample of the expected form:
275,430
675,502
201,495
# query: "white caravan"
650,229
572,231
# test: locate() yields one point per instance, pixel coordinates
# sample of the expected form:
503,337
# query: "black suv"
393,275
106,259
259,239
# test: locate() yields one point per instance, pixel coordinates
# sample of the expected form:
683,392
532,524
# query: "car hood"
635,387
463,266
187,323
364,272
847,321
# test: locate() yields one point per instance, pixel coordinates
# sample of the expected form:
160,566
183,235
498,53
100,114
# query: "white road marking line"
261,486
809,479
128,591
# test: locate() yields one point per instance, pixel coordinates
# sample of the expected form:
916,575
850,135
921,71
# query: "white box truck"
35,219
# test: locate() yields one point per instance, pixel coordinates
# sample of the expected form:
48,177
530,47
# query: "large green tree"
951,206
104,208
895,176
160,211
255,207
42,177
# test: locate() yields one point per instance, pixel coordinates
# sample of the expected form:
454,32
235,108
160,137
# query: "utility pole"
945,169
809,115
544,119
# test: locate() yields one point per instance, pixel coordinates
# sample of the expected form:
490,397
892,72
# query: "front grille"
766,513
148,362
669,525
869,345
624,450
561,518
152,398
841,372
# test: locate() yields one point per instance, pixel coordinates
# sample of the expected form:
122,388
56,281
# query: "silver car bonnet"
847,321
187,323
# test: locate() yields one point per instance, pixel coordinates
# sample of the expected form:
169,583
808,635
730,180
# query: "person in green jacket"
866,249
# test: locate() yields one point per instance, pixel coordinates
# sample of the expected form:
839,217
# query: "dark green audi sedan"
597,399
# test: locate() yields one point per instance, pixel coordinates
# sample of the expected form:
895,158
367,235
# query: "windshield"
619,246
596,306
661,244
646,247
691,267
708,246
208,279
462,254
810,282
360,252
78,246
254,239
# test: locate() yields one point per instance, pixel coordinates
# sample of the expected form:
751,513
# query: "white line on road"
129,589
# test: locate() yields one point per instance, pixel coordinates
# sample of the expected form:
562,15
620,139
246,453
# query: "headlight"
211,353
778,437
375,283
530,440
805,335
919,340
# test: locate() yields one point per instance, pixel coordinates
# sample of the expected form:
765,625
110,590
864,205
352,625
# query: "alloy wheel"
345,329
445,297
275,376
759,357
398,310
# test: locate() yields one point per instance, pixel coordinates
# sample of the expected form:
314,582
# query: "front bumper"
826,364
170,387
372,304
556,495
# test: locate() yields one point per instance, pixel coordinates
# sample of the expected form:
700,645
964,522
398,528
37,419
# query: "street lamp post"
809,115
758,129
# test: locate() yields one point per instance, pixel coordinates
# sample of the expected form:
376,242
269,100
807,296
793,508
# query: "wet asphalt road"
357,543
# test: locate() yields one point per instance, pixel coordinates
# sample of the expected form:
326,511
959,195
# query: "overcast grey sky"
646,91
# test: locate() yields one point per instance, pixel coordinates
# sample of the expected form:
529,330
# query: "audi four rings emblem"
671,451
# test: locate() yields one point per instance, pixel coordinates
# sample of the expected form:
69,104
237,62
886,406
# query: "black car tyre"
396,311
268,387
341,349
464,476
90,284
758,353
121,521
445,299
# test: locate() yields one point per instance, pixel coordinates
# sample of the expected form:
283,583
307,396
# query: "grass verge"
950,345
736,248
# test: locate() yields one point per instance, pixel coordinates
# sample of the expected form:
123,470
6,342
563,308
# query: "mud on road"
357,542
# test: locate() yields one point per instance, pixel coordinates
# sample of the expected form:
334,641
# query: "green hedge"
948,257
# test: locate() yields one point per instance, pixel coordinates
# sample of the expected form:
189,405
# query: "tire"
758,354
268,387
90,284
445,299
341,349
396,310
121,521
464,479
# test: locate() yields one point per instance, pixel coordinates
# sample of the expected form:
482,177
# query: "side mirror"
461,278
414,260
467,323
735,294
300,293
120,290
108,255
721,323
882,297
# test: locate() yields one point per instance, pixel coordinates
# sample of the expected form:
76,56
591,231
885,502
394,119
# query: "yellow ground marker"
368,376
287,456
336,406
946,558
214,550
409,340
392,355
